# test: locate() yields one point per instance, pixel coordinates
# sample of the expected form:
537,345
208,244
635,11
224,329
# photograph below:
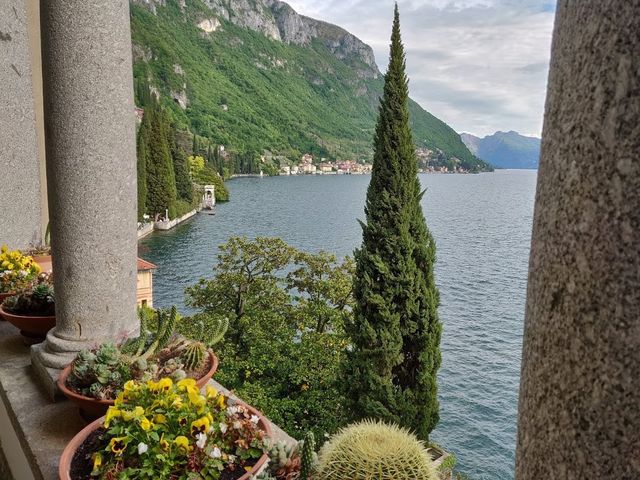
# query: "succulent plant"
308,457
36,299
284,463
373,449
193,355
101,373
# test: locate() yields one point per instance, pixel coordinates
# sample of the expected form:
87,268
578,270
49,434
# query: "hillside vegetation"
251,93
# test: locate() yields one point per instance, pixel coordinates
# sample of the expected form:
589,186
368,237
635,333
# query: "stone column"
579,411
91,175
20,175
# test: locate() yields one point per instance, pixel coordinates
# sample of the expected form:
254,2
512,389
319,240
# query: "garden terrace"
580,391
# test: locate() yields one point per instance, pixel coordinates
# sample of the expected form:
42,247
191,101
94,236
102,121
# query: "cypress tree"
390,370
143,159
161,183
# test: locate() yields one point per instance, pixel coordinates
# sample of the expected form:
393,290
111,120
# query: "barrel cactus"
373,450
194,355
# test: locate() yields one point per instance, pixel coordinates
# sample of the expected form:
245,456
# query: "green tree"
142,160
161,183
390,371
273,356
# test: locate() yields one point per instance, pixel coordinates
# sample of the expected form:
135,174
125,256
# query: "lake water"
482,227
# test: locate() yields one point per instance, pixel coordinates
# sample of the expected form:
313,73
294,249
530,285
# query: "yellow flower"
119,399
200,426
133,415
211,392
131,386
198,401
97,463
117,445
164,445
182,443
177,402
220,401
186,384
112,412
160,419
145,424
165,384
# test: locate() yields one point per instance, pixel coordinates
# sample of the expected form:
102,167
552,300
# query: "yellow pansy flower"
97,463
131,386
145,424
200,426
160,419
186,384
112,412
117,445
164,445
211,392
119,399
220,401
182,443
165,384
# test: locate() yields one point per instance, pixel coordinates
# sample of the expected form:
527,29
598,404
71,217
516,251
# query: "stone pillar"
20,173
579,411
91,175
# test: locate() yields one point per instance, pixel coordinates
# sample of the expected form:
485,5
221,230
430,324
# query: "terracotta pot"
74,444
90,408
44,261
2,297
32,328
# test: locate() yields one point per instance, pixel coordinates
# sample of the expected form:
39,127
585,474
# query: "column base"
50,357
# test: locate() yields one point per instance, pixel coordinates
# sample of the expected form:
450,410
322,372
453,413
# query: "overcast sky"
479,65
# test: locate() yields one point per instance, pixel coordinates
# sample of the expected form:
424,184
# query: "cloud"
479,65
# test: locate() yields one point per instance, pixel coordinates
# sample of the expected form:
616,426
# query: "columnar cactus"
307,456
375,450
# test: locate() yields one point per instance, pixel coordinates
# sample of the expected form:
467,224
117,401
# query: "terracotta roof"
144,265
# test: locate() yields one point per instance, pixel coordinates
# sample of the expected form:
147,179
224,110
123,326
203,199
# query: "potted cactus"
373,449
32,310
17,271
291,462
95,378
169,430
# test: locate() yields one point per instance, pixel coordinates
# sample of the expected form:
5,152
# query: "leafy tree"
324,290
246,279
274,355
390,371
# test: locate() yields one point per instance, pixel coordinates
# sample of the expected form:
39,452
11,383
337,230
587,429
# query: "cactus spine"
372,449
307,456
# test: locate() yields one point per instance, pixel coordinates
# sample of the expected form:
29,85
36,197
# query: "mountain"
505,149
255,75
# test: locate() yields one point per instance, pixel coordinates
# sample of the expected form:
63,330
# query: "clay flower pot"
32,328
91,408
2,297
77,441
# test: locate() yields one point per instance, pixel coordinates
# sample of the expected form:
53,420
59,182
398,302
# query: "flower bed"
168,430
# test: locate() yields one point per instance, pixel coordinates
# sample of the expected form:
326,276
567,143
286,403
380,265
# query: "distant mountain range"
505,149
254,75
